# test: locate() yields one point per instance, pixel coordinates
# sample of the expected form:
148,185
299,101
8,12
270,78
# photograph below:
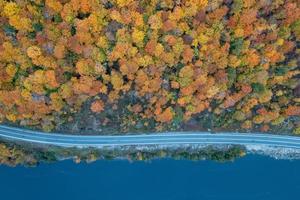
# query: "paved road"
156,139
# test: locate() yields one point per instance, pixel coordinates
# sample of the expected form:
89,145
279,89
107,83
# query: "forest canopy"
237,60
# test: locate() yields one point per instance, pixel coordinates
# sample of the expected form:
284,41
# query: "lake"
252,177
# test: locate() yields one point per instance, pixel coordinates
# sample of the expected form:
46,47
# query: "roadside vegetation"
144,65
13,154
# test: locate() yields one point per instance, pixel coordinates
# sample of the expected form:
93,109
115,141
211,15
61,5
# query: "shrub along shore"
13,154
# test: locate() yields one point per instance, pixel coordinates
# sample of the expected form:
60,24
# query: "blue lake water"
252,177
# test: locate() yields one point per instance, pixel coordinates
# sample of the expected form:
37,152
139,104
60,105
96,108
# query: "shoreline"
196,146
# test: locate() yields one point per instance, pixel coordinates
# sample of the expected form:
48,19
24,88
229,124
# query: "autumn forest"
151,64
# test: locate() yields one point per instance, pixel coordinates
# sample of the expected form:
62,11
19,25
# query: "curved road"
167,138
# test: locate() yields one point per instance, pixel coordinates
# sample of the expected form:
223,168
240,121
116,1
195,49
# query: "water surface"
252,177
